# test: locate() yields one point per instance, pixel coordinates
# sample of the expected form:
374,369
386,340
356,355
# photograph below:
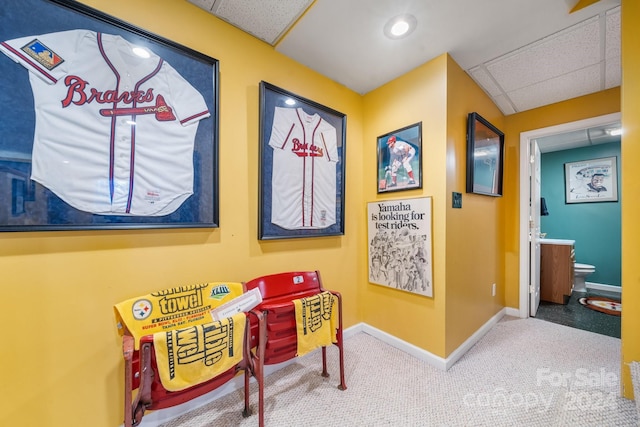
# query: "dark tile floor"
577,316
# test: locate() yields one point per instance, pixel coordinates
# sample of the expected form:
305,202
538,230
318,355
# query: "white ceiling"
523,53
579,138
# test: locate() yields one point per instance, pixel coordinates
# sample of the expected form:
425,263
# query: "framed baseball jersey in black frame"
109,126
302,167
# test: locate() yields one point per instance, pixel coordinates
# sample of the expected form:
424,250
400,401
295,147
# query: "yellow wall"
584,107
63,365
467,242
418,96
61,358
630,189
474,234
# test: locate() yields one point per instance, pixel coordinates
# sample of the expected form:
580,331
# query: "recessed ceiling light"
400,26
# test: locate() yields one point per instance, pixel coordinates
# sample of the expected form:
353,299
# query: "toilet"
580,273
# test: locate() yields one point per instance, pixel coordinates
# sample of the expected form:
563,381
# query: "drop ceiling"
580,138
523,53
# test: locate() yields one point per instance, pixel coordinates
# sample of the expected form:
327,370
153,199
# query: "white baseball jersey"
402,149
402,152
114,132
303,185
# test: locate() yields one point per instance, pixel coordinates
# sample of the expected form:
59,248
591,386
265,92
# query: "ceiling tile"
612,73
504,104
204,4
563,141
510,48
567,51
579,138
567,86
485,80
612,33
267,20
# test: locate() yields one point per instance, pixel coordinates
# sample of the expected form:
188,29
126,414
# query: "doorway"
527,244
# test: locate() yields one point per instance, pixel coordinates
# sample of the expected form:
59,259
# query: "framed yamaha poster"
400,244
302,166
109,126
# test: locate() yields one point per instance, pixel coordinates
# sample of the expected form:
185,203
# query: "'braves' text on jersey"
114,131
303,185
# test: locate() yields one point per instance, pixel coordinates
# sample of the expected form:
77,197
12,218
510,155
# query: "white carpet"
524,372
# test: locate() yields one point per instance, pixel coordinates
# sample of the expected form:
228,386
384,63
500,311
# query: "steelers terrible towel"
172,308
198,353
315,321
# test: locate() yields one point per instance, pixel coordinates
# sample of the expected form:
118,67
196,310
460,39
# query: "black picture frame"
302,185
485,154
32,206
400,163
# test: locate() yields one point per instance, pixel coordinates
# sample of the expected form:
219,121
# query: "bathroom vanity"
557,257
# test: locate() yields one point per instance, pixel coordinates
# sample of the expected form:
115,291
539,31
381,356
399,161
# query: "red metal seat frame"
141,373
278,293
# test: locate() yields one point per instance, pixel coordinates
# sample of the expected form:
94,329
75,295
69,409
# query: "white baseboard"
473,339
406,347
155,418
515,312
604,287
430,358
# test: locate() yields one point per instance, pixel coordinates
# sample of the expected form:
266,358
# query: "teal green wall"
594,226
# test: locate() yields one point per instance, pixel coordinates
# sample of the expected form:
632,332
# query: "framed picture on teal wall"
589,181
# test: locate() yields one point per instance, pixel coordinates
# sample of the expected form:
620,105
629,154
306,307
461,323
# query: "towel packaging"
174,308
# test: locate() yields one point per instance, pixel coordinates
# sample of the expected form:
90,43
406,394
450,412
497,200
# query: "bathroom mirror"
485,148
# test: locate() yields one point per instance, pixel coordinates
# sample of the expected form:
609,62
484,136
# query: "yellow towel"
172,308
196,354
316,321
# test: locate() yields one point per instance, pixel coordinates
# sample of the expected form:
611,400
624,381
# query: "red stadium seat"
278,293
142,374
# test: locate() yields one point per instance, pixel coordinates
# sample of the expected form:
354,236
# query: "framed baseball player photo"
400,159
107,126
302,167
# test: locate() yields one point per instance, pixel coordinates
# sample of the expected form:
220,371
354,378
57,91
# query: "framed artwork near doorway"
485,153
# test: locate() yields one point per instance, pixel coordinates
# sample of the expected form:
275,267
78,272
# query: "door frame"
525,193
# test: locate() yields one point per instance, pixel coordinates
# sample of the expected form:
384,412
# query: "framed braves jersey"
302,167
114,131
303,184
